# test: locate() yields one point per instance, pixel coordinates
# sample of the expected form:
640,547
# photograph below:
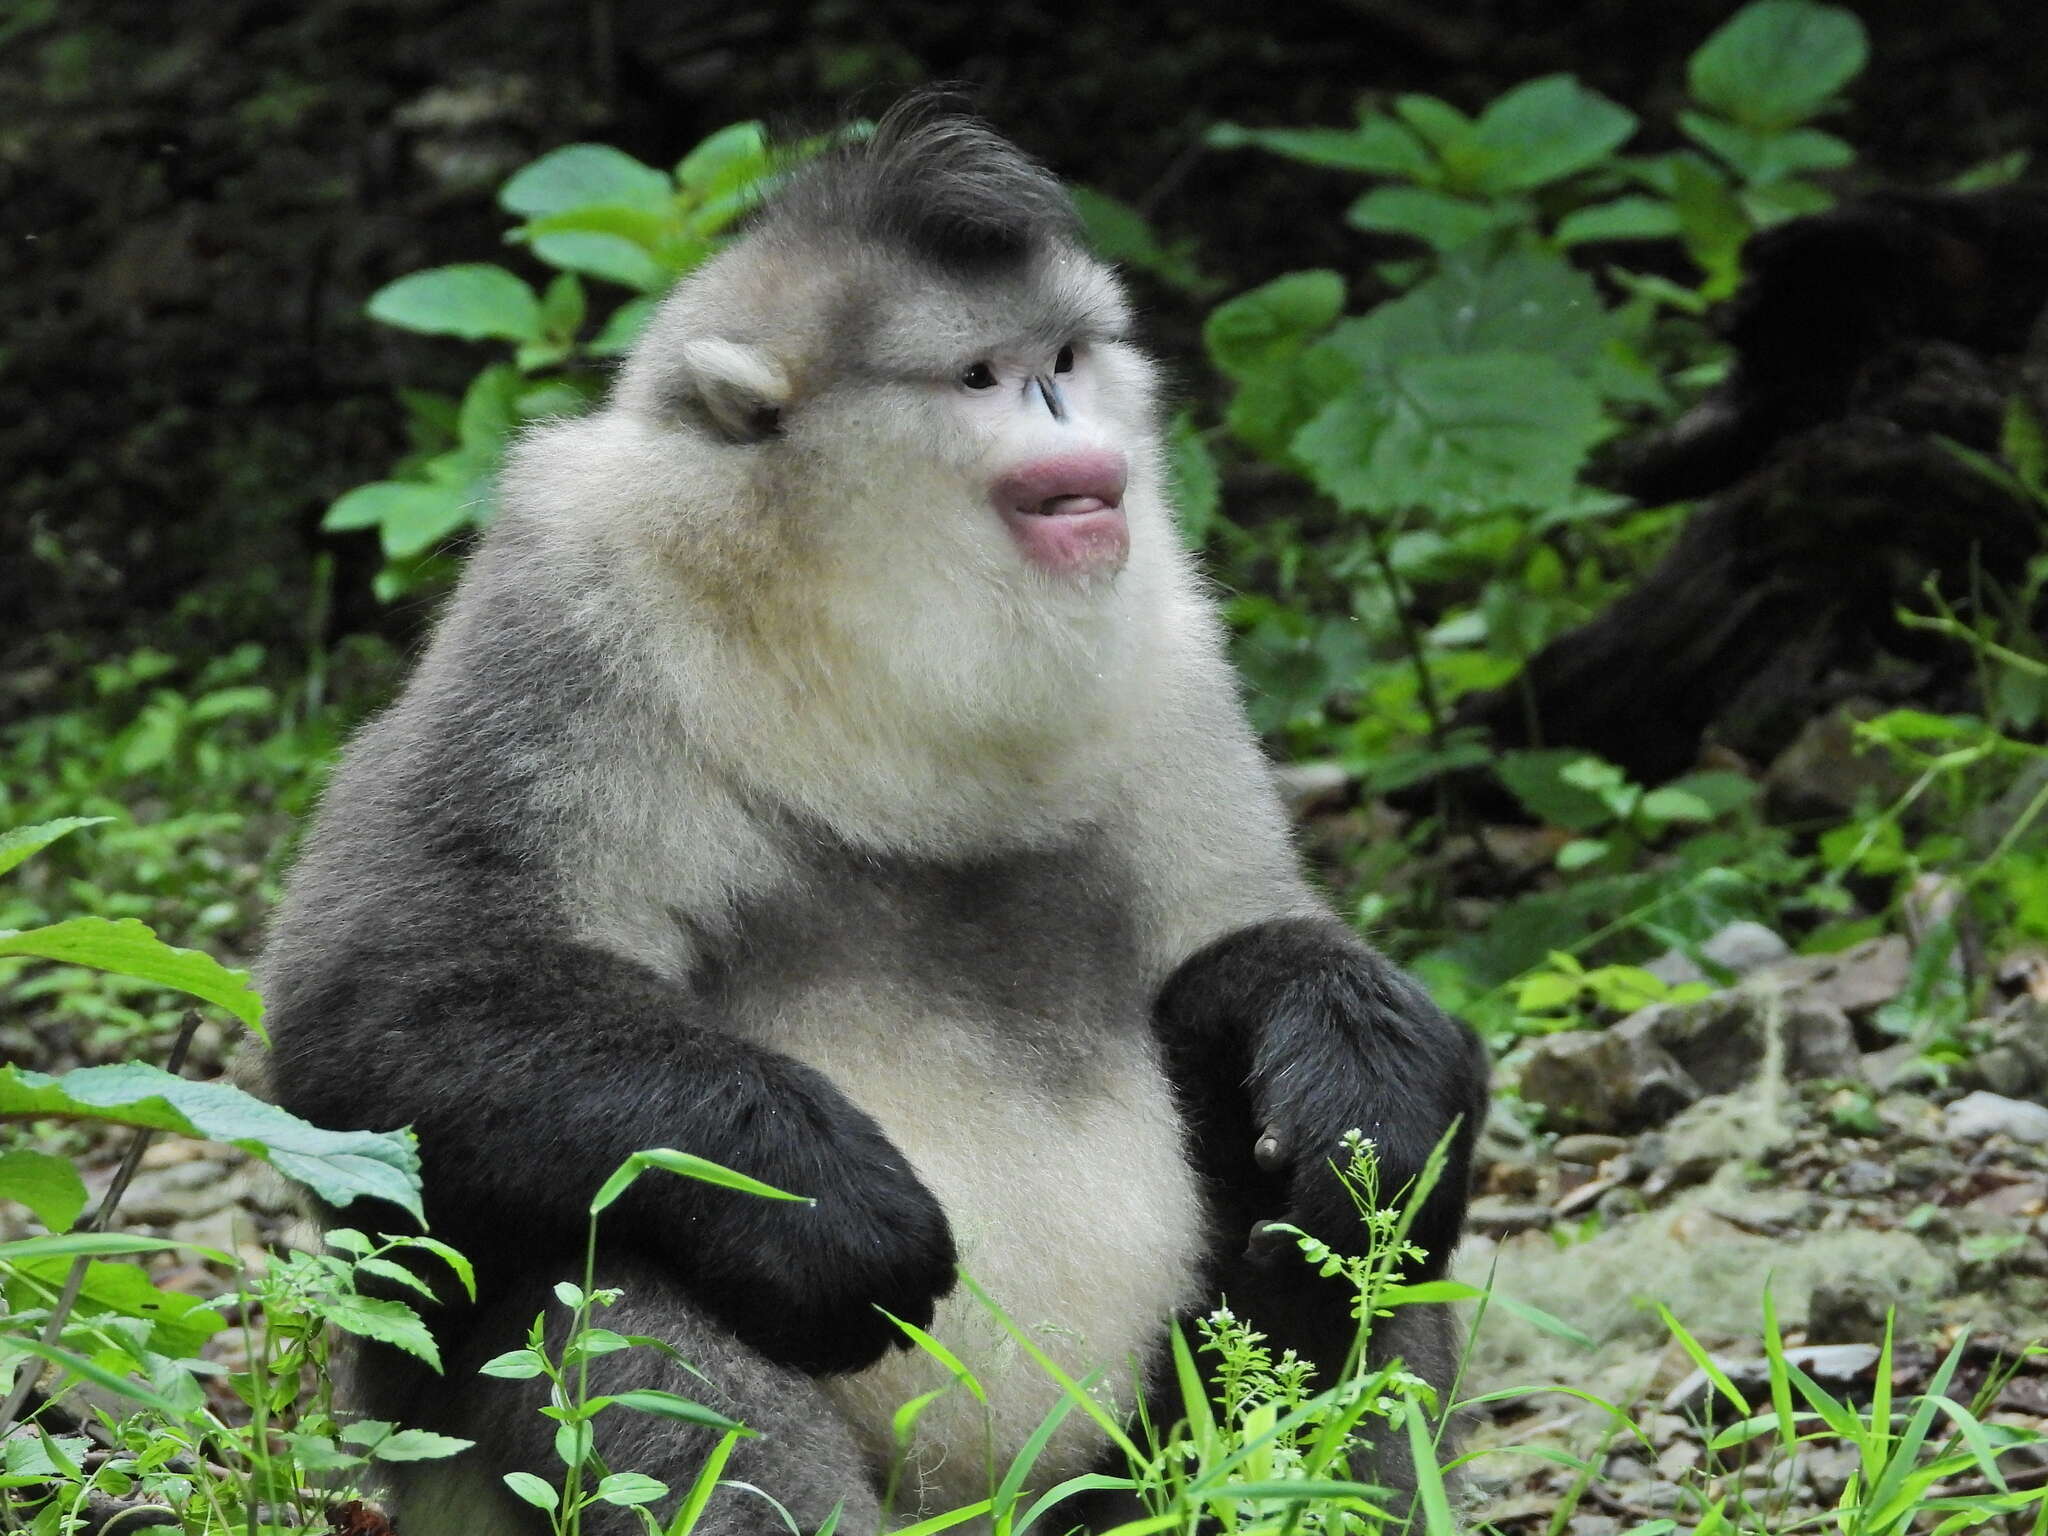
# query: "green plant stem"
74,1282
1411,637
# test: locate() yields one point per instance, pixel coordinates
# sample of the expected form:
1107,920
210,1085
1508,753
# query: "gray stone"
1603,1080
1827,769
1856,980
1849,1309
1590,1149
1861,1176
1741,947
1720,1041
1500,1217
1982,1114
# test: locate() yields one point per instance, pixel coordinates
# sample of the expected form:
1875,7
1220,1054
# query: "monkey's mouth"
1066,512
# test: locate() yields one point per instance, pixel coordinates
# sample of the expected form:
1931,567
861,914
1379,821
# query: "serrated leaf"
338,1166
580,175
128,948
387,1322
418,1445
1777,62
1546,130
25,842
178,1324
530,1488
1463,435
1523,301
475,301
631,1488
48,1185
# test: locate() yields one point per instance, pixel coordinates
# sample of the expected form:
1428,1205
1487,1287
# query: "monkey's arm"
533,1067
1285,1034
1282,1028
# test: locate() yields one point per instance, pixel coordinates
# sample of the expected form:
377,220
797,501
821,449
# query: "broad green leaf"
1249,333
1524,301
475,301
1438,219
178,1324
613,258
49,1186
388,1322
1537,780
1625,218
128,948
562,306
514,1365
1544,131
1674,804
534,1491
1121,235
623,328
728,157
645,230
579,175
1777,62
690,1166
1379,146
87,1370
1711,222
418,1445
1197,485
24,842
1464,435
1442,126
338,1166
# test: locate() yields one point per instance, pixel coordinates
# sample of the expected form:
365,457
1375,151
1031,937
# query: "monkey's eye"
1064,363
979,376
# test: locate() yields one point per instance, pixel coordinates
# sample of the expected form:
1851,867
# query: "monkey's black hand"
1283,1037
802,1283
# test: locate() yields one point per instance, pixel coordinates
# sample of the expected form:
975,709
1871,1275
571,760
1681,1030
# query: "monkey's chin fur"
1091,539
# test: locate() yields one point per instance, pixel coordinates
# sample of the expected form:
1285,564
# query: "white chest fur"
1075,1211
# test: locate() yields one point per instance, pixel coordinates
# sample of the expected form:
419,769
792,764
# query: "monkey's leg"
802,1452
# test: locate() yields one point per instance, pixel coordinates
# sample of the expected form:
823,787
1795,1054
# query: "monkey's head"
910,359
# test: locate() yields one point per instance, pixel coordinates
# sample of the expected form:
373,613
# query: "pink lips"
1066,511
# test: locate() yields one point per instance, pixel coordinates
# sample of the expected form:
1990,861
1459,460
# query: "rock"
1834,1366
1827,770
1603,1080
1981,1114
2004,1070
1857,980
1591,1150
1497,1217
1849,1309
1861,1176
1720,1042
1741,947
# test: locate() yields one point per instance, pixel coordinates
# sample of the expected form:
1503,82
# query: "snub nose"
1090,480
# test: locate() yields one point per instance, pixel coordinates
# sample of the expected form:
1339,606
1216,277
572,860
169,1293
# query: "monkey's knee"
800,1452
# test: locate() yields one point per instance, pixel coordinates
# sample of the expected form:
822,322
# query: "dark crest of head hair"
934,180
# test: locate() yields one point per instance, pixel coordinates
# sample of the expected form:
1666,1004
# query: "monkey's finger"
1267,1243
1270,1150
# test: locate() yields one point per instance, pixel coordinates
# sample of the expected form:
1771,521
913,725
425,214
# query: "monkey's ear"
736,390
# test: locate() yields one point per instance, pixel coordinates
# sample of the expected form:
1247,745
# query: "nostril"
1064,483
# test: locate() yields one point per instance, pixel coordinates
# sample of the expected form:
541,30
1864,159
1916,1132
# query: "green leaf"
476,302
388,1322
689,1166
1438,219
1197,486
1581,852
418,1445
1671,804
338,1166
579,175
562,306
730,156
178,1324
530,1488
623,328
1546,130
87,1370
1379,146
25,842
613,258
1462,435
514,1365
1624,218
1524,301
128,948
1122,236
667,1405
49,1186
410,516
1777,62
631,1488
1248,334
1536,779
1763,155
1711,222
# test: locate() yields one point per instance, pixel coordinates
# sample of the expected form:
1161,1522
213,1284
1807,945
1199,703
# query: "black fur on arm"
530,1069
1296,1031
